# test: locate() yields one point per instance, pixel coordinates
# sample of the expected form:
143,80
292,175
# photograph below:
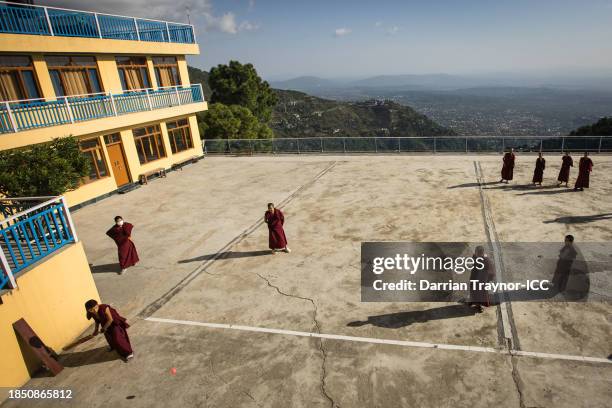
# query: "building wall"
97,126
105,52
50,296
42,43
107,184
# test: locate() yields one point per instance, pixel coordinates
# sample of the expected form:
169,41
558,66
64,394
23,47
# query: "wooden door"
117,160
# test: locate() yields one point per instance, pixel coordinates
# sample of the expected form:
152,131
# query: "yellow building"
120,84
44,279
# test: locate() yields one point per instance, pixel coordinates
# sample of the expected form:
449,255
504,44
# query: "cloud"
251,5
392,30
340,32
225,23
378,24
248,26
168,10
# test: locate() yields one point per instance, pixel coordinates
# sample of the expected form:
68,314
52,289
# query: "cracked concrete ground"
331,205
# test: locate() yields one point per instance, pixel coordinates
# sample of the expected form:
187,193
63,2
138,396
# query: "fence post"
137,30
562,144
69,109
98,25
251,140
344,145
298,145
229,146
375,145
503,144
69,218
599,149
466,145
399,144
112,98
321,140
201,91
541,144
434,144
11,117
48,21
7,270
149,99
178,98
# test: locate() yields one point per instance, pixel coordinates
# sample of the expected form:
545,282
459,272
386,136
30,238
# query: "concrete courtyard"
210,300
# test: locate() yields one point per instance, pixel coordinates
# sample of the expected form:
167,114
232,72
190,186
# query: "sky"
345,39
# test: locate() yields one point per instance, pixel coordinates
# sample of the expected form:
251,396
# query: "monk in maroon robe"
566,163
507,172
121,233
113,325
275,219
538,173
585,167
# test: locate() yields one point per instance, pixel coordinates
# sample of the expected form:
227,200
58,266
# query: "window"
133,72
17,79
180,135
112,139
73,75
166,71
93,151
149,143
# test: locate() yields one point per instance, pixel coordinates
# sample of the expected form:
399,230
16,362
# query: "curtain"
165,76
132,78
9,88
75,81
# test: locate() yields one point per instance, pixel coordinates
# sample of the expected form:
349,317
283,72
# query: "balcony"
16,116
32,229
51,21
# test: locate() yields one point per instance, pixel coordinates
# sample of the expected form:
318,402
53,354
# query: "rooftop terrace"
52,21
245,328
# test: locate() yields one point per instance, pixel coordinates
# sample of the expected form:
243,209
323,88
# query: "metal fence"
21,115
434,144
30,235
40,20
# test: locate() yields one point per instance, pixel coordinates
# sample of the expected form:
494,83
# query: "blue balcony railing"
16,116
31,233
40,20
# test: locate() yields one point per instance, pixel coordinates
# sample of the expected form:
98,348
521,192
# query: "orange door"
115,154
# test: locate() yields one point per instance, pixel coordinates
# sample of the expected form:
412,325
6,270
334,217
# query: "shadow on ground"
580,219
403,319
467,185
105,268
226,255
565,190
88,357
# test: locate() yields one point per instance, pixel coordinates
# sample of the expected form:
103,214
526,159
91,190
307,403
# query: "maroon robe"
538,173
584,170
275,221
564,173
126,248
116,334
507,172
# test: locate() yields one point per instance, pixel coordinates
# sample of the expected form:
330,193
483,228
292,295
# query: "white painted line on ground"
372,340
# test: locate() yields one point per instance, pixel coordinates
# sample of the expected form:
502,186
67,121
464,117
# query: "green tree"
218,122
238,84
231,122
603,127
44,169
